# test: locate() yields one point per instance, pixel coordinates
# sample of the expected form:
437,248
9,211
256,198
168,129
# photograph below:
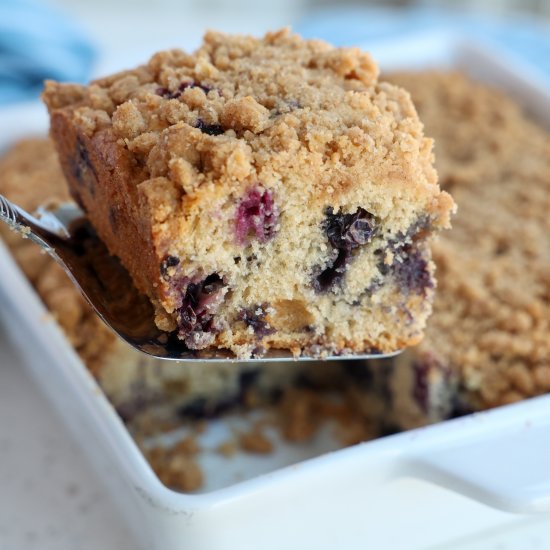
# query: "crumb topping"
237,99
177,466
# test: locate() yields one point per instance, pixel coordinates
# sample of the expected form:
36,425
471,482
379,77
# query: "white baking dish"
427,488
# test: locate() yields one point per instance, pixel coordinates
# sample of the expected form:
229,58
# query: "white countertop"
49,497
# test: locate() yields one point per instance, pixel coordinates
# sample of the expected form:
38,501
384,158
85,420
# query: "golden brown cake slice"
264,193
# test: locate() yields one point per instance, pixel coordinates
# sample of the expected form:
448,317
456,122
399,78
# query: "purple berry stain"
345,233
195,316
255,317
411,270
256,217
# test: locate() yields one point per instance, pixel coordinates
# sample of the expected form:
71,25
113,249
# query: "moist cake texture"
262,192
490,330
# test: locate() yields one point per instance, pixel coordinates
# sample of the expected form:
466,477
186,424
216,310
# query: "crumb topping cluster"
223,110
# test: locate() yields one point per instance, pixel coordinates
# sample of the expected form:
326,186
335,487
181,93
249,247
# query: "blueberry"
383,267
348,231
212,284
333,275
255,317
210,129
345,232
203,87
256,216
258,352
82,167
168,262
168,94
195,315
187,318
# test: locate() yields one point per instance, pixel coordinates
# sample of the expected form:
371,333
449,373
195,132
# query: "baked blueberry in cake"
264,193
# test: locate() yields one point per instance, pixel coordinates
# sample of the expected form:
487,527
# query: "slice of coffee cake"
264,193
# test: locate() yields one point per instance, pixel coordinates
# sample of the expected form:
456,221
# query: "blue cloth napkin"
38,42
525,35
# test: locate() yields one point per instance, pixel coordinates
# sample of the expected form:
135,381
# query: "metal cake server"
68,237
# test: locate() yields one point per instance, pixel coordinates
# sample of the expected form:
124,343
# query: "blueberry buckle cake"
264,193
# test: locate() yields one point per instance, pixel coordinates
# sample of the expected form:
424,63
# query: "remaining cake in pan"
490,330
30,176
264,193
